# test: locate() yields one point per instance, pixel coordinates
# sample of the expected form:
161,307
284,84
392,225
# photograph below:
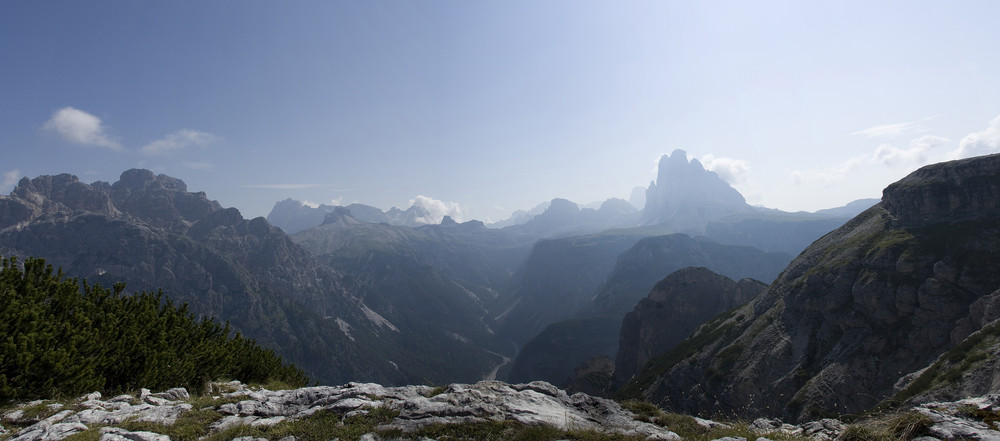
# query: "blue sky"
480,108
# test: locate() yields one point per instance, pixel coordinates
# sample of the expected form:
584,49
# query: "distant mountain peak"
687,195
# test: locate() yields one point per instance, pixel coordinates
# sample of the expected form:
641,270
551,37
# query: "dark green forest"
63,337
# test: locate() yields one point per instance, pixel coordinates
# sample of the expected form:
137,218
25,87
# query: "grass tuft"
190,425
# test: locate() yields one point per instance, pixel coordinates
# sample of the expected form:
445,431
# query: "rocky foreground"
372,412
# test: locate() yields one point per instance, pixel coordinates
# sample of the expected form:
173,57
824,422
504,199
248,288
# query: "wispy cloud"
729,169
179,139
436,209
10,178
921,151
897,129
80,127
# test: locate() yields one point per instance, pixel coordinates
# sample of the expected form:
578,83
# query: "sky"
477,109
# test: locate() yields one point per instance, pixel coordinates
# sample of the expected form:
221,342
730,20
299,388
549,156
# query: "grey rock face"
148,231
949,192
951,419
675,307
881,297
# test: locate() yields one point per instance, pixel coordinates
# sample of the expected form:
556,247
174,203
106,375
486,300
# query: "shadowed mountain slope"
151,233
879,298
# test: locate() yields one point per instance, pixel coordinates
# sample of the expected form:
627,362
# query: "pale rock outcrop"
418,406
117,434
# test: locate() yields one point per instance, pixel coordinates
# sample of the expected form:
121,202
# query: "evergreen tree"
59,336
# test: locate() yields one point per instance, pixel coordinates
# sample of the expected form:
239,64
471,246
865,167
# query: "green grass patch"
437,390
510,430
189,426
93,433
896,427
321,426
688,429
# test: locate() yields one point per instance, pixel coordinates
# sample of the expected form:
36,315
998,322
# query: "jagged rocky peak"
966,189
684,191
160,199
52,194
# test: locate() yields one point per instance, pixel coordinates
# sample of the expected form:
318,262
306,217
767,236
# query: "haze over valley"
499,220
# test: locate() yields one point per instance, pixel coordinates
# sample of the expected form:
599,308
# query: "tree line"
63,337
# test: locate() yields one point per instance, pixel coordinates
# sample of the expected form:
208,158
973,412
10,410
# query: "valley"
697,314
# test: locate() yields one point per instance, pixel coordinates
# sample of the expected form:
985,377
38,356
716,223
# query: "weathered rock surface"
879,298
675,307
417,407
949,192
954,420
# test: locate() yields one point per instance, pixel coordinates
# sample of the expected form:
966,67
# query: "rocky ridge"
150,232
411,408
879,298
368,411
675,307
576,320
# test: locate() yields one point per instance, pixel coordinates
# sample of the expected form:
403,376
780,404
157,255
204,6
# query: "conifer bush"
63,337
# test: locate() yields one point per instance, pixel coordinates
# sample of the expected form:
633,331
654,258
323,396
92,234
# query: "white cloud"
916,155
729,169
80,127
337,202
10,179
919,153
897,129
178,140
979,143
436,210
310,204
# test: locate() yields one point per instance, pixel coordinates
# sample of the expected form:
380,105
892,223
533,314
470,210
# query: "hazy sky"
486,107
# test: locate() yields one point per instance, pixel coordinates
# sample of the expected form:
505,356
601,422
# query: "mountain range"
358,294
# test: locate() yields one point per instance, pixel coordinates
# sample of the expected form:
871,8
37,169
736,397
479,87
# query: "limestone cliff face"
878,298
949,192
675,307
